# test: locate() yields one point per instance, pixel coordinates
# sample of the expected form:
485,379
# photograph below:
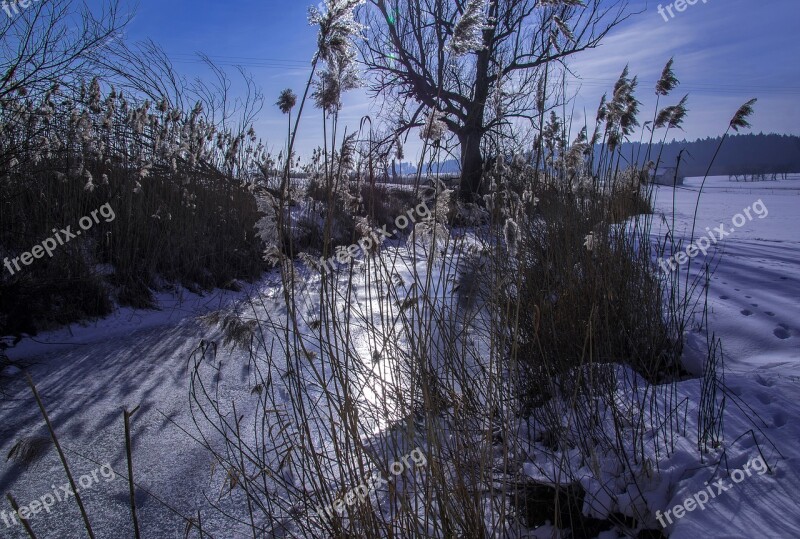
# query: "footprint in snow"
746,312
792,331
769,313
779,419
765,398
724,297
766,382
747,442
781,333
141,498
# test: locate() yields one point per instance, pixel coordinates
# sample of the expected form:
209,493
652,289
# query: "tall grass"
541,331
530,357
181,217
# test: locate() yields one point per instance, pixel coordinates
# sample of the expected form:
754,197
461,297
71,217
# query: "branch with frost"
468,31
434,129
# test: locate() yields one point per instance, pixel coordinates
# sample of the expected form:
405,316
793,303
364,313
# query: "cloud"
725,53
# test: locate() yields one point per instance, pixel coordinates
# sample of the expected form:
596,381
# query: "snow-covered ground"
90,374
754,295
754,302
86,376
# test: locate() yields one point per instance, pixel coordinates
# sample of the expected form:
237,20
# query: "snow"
754,301
88,373
755,289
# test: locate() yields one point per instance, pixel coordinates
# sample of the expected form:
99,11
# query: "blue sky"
726,51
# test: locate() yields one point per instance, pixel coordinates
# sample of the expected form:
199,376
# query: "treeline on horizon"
740,155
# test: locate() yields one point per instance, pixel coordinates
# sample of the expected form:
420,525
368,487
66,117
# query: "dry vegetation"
537,330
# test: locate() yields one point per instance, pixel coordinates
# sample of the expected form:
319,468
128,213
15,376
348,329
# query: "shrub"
585,275
180,214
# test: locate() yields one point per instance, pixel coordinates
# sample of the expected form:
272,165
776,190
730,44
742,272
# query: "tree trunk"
473,128
471,165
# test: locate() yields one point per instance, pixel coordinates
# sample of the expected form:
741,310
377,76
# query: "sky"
726,52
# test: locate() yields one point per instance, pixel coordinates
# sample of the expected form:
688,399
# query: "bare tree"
485,83
54,41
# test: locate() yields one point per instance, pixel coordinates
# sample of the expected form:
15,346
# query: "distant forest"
741,155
